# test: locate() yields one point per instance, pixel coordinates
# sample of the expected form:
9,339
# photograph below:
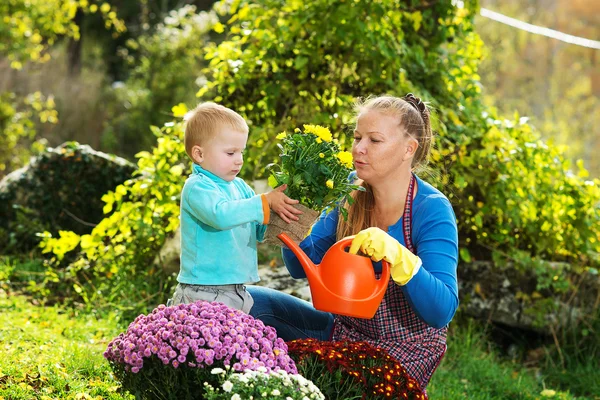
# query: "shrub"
353,370
114,264
170,352
61,189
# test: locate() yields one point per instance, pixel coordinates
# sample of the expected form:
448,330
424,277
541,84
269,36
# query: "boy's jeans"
292,317
234,296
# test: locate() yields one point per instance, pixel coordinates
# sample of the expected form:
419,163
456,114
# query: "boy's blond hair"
204,121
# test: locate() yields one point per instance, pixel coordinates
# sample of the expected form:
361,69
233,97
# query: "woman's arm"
433,291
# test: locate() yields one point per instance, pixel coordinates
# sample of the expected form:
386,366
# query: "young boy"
221,216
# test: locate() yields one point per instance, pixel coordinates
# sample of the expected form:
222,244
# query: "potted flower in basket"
316,172
353,370
169,354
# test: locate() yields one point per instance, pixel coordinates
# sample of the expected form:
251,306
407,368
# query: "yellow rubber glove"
379,245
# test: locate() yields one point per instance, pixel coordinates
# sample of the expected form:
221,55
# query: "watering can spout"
305,261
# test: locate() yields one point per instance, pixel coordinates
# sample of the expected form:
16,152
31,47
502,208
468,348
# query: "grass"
471,370
52,353
49,353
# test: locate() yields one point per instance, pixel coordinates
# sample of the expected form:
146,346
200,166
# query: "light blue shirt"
220,224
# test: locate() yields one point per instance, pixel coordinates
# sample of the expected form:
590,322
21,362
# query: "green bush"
114,266
60,190
514,195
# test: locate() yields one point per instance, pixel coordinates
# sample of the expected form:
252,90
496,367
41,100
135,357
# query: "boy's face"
222,154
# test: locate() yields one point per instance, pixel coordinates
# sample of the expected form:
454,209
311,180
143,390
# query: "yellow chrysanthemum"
329,184
282,135
321,155
346,158
318,140
319,131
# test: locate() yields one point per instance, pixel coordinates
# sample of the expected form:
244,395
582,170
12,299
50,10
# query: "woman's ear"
197,154
412,145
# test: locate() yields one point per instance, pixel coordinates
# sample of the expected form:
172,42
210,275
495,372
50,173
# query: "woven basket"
296,230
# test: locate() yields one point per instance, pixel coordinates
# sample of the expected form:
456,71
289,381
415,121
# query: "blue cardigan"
433,291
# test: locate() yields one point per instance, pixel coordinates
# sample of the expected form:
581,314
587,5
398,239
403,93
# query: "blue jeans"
293,318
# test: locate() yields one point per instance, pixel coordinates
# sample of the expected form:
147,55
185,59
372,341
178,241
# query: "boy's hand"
282,204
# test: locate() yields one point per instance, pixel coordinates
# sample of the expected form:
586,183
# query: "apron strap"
407,216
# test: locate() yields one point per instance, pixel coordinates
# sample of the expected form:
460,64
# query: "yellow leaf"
176,170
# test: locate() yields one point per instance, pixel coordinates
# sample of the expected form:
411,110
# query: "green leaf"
465,255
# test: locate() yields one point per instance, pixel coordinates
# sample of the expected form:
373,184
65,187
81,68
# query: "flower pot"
296,230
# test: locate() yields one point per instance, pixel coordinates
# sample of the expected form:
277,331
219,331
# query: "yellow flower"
329,184
282,135
321,155
319,131
318,140
179,110
548,393
297,130
346,158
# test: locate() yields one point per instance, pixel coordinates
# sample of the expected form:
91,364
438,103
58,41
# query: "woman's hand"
282,204
379,245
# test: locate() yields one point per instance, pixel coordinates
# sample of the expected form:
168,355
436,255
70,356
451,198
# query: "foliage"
313,167
115,266
30,27
280,66
163,65
261,384
169,353
353,370
17,124
44,197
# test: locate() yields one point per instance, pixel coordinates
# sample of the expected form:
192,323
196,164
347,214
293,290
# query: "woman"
399,218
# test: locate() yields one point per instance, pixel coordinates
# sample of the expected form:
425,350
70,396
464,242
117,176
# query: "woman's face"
380,148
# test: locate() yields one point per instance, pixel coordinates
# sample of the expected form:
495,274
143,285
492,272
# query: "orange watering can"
343,283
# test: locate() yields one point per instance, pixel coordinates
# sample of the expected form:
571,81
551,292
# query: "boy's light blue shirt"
220,224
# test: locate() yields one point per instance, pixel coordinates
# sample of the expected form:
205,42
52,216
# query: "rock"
508,295
168,258
279,278
61,189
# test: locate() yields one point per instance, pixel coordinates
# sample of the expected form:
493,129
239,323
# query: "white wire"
540,30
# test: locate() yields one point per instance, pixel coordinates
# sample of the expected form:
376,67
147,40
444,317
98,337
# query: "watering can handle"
345,243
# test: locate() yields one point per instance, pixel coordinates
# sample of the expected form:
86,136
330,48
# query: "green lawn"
49,353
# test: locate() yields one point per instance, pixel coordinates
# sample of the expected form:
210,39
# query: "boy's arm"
208,204
261,228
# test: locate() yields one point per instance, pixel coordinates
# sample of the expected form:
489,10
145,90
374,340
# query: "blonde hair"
204,121
414,117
